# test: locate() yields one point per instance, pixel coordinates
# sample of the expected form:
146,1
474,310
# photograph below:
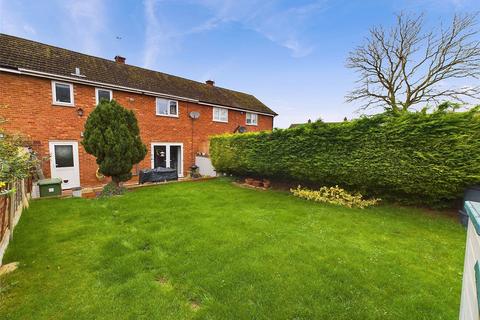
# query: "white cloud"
298,50
283,26
153,34
455,4
160,38
11,22
205,26
218,69
163,39
87,18
29,29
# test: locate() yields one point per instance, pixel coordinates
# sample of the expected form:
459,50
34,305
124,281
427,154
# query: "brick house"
47,93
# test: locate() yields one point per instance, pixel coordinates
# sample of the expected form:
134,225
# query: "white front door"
64,163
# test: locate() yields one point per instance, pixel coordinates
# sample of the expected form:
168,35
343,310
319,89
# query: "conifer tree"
112,135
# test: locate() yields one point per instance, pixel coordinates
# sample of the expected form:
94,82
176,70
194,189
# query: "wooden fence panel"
11,207
3,215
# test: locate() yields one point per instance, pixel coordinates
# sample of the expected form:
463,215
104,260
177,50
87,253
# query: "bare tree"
406,65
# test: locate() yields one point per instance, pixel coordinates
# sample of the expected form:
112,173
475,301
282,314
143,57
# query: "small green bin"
50,187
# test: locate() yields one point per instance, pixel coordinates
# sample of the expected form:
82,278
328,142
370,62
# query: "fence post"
24,194
11,215
3,216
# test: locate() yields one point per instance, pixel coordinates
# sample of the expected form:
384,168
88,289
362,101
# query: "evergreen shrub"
417,158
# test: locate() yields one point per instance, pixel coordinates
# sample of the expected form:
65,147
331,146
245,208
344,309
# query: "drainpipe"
193,152
194,115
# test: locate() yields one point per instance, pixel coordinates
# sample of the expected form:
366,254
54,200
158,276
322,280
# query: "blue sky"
289,54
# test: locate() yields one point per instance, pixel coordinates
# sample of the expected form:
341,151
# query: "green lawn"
212,250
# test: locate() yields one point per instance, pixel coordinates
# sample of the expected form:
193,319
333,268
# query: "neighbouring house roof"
23,54
294,125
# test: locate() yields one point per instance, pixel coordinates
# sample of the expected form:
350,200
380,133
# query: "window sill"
251,124
59,104
220,121
167,115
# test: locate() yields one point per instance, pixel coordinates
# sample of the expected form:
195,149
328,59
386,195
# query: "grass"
212,250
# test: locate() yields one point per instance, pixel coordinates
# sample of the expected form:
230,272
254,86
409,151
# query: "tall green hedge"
413,157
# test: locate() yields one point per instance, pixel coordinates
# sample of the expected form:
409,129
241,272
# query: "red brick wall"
26,104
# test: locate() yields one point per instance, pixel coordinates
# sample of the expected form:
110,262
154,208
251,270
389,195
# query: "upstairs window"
102,94
220,114
167,108
62,93
252,119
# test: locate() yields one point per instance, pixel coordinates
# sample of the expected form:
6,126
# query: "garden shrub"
111,189
418,158
334,195
16,161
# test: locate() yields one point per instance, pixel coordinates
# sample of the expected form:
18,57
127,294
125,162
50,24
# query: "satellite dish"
194,114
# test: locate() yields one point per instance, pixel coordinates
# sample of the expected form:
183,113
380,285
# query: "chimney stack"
120,59
210,82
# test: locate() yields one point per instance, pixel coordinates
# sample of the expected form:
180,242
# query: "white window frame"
54,95
219,120
251,114
102,89
168,108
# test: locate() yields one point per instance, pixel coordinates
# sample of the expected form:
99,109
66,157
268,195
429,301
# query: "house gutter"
236,109
47,75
